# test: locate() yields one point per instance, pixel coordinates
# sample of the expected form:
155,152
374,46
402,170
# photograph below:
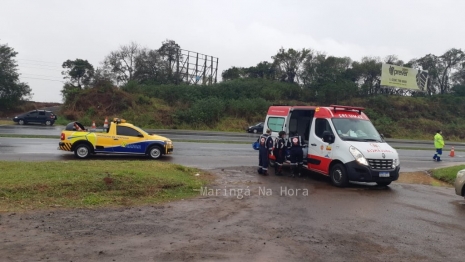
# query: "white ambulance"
340,142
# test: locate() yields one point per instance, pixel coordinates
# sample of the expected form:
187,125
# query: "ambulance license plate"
383,174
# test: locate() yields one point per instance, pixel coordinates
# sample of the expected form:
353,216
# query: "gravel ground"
280,219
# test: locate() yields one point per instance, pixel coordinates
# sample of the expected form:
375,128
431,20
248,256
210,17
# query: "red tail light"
62,136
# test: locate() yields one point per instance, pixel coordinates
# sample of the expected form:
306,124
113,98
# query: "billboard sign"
403,77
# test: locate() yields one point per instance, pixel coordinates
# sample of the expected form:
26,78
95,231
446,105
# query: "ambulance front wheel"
338,175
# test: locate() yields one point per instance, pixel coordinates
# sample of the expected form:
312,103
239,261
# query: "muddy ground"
281,219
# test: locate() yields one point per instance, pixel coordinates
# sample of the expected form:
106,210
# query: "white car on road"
460,182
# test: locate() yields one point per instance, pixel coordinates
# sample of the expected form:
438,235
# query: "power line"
41,68
31,64
39,75
45,62
42,79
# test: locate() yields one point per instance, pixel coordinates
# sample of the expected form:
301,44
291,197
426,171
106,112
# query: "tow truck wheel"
383,183
82,151
155,152
339,176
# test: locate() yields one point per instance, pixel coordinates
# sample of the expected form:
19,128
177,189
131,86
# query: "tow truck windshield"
356,130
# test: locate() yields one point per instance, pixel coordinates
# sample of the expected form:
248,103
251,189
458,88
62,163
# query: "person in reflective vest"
279,151
266,148
438,144
296,154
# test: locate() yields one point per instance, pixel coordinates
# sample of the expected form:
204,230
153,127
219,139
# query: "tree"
310,65
393,60
78,72
331,82
233,73
368,74
264,70
12,91
458,78
150,67
440,69
289,64
171,53
122,62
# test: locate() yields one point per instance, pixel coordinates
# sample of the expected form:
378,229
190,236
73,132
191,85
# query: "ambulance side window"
322,125
275,123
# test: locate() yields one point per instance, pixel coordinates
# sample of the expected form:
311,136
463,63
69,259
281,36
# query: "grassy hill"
233,105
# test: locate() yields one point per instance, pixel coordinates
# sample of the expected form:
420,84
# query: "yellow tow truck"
119,138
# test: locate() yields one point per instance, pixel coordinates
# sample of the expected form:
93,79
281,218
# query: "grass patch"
7,122
88,184
447,174
62,121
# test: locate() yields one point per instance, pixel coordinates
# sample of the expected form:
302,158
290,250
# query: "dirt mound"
28,106
98,102
422,178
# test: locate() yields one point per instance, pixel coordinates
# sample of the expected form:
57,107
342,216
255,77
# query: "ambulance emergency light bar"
352,108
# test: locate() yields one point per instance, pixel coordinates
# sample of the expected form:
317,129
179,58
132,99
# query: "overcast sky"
239,32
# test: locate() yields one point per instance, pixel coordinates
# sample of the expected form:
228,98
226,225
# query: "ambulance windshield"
356,130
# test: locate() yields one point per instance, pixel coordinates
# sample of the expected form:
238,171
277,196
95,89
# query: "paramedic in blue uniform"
279,151
266,148
295,144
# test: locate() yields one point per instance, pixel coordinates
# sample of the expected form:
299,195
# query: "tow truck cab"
119,138
341,142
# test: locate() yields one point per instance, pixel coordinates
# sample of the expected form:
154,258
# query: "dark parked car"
257,128
36,116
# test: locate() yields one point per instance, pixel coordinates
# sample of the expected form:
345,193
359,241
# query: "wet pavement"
200,155
196,135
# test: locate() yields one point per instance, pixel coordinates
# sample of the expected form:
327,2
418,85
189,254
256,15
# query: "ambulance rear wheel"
338,176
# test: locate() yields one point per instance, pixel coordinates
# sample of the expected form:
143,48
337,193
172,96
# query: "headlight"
16,117
358,156
395,163
168,142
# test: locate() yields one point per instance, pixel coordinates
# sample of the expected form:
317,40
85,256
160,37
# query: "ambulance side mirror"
328,137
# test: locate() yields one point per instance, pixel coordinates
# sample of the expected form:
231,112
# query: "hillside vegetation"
232,105
156,88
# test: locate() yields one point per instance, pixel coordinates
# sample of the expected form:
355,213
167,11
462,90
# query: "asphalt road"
200,155
215,136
